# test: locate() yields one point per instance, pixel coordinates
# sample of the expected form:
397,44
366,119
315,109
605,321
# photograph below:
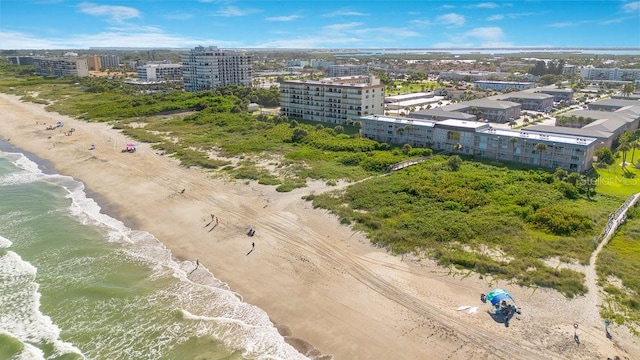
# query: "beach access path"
322,284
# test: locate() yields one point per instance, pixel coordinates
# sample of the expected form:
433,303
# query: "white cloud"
341,27
563,24
631,7
421,22
116,13
344,12
283,18
451,19
486,33
178,16
485,5
616,20
387,32
495,17
111,38
234,11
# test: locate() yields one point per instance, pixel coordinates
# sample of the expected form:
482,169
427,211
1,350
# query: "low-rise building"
160,72
558,94
528,100
397,102
612,104
437,114
503,85
335,100
491,110
61,67
573,153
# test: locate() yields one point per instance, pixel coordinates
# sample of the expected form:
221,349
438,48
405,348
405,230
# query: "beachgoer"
253,245
183,190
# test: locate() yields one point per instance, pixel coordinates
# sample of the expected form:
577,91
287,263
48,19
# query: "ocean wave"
21,316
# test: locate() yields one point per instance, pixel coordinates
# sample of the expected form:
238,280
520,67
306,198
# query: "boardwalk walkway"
407,163
615,220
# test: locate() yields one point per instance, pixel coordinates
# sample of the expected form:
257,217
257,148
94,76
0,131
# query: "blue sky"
61,24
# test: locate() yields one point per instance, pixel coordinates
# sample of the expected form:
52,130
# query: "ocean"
76,283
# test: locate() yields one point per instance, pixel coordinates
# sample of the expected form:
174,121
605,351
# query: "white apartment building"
573,153
61,67
160,72
347,70
334,100
110,61
205,68
610,74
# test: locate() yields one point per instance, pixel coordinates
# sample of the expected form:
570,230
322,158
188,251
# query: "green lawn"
616,181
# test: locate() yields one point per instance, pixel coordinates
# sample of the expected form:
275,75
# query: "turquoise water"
78,284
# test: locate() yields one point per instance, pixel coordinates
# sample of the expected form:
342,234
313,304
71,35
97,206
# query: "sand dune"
325,286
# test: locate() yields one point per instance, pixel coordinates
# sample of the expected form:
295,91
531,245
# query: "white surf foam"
4,242
21,316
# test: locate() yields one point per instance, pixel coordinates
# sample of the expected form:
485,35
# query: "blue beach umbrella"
497,295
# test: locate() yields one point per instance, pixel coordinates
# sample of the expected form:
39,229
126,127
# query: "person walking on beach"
197,265
253,246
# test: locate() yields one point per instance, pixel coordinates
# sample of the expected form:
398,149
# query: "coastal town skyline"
323,25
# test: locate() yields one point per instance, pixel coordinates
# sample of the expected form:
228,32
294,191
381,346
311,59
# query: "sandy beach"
325,286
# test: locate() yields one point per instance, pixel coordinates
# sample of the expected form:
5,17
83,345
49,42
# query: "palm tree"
624,147
513,142
541,147
634,145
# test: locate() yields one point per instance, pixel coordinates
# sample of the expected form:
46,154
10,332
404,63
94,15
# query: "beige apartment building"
61,67
94,63
332,100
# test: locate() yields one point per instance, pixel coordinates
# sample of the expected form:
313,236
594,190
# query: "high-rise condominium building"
332,100
61,67
205,68
110,61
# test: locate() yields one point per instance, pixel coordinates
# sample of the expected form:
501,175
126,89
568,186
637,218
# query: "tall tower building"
205,68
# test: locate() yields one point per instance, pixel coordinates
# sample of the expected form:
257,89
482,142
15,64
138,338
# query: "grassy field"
486,218
503,220
618,181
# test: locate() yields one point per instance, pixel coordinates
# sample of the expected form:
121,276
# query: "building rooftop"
606,125
616,102
442,114
402,97
401,120
523,95
462,124
548,90
504,82
328,81
481,103
539,136
570,131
